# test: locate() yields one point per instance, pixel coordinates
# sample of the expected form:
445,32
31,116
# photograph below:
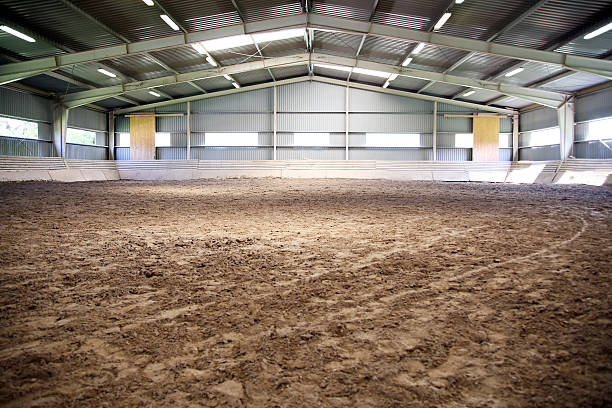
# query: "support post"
111,136
275,119
435,130
60,125
515,137
188,130
346,126
565,115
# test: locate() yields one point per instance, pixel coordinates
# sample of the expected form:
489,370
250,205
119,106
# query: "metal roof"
63,27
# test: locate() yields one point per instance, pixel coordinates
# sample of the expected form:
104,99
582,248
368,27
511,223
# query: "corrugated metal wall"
596,105
10,146
85,152
88,119
589,108
540,153
540,118
537,119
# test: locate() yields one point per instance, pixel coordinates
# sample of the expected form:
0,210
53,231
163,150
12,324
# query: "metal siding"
448,108
11,146
311,97
177,140
261,100
594,149
176,108
45,131
232,122
297,153
367,101
232,153
505,125
505,154
23,105
359,140
540,153
541,118
594,106
456,125
383,153
286,139
528,139
171,124
122,153
381,122
454,154
89,119
311,122
171,153
122,124
76,151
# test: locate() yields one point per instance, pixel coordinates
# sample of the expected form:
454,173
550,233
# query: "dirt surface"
305,293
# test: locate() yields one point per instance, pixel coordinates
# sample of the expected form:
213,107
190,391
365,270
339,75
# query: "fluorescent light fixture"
229,78
386,84
418,48
407,61
469,93
169,21
371,72
458,1
148,2
279,35
336,67
393,77
107,73
442,21
154,94
199,48
228,42
211,61
599,31
17,33
514,72
236,85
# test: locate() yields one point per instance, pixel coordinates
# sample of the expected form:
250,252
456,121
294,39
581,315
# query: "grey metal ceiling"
60,27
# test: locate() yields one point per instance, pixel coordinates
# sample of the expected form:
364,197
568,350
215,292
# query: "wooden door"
486,139
142,137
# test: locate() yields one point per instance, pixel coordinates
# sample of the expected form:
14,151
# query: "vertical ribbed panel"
287,139
540,153
232,122
456,125
296,153
122,124
45,131
311,97
171,153
594,106
448,108
23,105
177,140
541,118
505,154
445,154
122,153
505,125
311,122
75,151
367,101
232,153
90,119
260,100
382,153
393,123
171,124
593,149
10,146
176,108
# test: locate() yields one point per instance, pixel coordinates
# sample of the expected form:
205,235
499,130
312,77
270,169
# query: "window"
18,128
545,137
393,140
600,129
464,140
311,139
123,140
80,136
231,139
162,140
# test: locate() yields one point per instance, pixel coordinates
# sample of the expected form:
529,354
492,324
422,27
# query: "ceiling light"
236,85
169,21
469,93
154,93
17,33
370,72
393,77
211,61
107,73
199,48
336,67
229,78
386,84
228,42
148,2
418,48
279,35
458,1
599,31
407,61
442,21
514,72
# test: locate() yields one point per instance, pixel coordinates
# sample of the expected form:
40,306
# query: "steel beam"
565,116
435,131
111,136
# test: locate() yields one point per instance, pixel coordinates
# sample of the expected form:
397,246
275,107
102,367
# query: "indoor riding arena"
315,203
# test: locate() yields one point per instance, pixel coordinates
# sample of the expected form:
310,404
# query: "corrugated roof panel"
236,55
27,49
419,15
112,103
89,73
254,10
196,15
368,79
139,66
385,50
533,72
290,72
440,89
408,84
331,73
356,10
482,66
214,83
435,58
341,44
595,47
143,95
253,77
575,82
50,84
280,48
180,90
481,95
183,59
512,102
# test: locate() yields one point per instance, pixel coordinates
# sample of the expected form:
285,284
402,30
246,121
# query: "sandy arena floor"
305,293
